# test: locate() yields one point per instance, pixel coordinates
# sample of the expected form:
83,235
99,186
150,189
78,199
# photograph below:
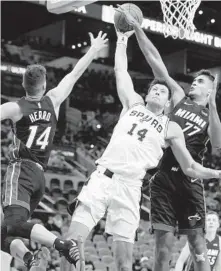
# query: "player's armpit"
10,110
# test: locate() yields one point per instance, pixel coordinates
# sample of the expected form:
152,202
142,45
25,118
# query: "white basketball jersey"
136,144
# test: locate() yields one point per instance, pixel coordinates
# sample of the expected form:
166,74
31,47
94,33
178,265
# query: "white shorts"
119,199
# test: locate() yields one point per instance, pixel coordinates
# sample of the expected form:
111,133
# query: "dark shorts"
24,185
177,201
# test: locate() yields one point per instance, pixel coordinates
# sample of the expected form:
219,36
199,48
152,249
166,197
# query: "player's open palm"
99,42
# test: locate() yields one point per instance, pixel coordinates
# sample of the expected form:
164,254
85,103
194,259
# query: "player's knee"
164,242
21,229
77,229
197,244
162,254
6,244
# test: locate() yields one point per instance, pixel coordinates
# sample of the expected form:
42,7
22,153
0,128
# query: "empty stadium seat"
100,266
107,259
98,237
101,244
104,251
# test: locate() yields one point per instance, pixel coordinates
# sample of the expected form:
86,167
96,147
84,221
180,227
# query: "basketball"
120,20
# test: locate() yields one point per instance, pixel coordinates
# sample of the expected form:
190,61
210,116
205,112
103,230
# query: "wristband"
122,39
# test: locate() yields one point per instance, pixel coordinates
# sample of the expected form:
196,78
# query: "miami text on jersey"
190,116
40,115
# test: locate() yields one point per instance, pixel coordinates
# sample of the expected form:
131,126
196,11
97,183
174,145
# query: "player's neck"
154,109
210,236
199,101
33,98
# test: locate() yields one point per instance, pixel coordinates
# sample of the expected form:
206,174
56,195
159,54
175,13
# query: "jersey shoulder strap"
50,104
178,105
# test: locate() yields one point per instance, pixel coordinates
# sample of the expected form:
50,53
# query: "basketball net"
178,17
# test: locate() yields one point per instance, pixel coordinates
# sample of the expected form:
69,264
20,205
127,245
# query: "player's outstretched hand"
129,18
212,96
99,42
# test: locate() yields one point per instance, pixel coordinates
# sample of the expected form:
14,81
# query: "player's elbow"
216,144
190,170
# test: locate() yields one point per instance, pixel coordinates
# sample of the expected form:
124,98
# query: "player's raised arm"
214,129
125,88
189,166
185,253
10,110
153,58
64,88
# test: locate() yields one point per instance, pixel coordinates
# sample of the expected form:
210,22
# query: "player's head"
212,221
202,85
34,80
159,94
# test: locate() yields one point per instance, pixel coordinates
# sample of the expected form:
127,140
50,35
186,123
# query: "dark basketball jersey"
34,132
213,250
193,119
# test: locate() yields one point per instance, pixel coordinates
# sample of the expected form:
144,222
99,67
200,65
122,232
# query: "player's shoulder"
15,109
137,105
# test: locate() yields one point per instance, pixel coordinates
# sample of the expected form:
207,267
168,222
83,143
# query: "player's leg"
81,225
20,188
163,219
192,223
17,249
123,253
86,212
198,250
163,245
123,220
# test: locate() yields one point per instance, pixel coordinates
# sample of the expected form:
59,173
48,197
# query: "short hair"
206,73
34,77
213,213
160,82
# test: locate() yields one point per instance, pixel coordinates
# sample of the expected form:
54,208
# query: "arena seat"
107,259
94,258
100,266
110,241
104,251
101,244
91,250
98,237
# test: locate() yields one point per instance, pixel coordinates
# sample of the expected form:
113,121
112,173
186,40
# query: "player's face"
212,222
201,87
158,95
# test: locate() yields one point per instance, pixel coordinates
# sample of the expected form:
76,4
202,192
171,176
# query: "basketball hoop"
178,17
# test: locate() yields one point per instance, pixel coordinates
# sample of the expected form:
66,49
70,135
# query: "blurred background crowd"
88,116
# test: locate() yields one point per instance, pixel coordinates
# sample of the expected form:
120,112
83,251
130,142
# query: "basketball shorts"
24,185
114,197
177,201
